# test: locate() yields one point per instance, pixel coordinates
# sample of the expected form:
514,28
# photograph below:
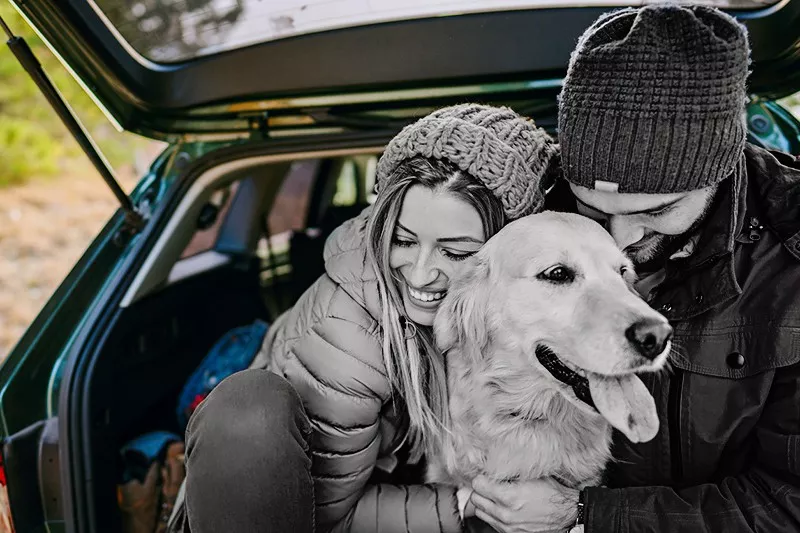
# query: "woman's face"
435,232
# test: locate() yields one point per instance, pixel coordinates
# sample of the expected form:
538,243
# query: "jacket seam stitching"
329,386
436,506
337,501
320,420
405,507
736,329
372,336
330,455
342,477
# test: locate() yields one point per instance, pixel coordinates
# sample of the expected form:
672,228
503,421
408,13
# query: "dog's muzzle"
567,376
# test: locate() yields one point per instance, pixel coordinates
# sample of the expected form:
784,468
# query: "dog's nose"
649,337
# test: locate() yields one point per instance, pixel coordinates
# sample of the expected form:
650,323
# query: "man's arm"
765,498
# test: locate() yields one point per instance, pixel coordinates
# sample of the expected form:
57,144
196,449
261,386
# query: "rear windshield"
176,30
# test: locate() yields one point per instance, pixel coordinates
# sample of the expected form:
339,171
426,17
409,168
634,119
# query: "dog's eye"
558,274
623,270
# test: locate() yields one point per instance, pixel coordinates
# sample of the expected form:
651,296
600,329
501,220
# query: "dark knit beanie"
654,100
505,151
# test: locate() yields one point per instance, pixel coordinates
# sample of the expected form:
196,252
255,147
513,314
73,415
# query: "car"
274,114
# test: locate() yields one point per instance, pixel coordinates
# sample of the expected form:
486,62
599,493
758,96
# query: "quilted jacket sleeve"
334,364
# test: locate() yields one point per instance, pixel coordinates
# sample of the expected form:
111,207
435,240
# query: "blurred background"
52,201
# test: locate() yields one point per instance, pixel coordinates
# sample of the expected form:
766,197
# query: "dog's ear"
462,318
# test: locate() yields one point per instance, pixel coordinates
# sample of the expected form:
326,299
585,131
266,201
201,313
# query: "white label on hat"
606,186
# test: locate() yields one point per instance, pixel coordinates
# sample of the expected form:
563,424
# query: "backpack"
233,352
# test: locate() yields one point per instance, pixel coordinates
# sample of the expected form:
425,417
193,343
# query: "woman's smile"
435,232
425,296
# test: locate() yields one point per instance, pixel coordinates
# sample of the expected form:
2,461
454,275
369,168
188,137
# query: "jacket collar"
346,263
775,178
723,223
763,192
706,278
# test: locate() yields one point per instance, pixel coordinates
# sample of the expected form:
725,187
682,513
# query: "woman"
353,394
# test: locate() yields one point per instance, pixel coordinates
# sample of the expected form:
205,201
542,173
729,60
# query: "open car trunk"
132,388
243,238
166,68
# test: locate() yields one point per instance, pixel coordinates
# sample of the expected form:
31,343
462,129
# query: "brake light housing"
6,525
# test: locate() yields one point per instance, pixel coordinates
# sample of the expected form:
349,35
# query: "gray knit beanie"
505,151
653,101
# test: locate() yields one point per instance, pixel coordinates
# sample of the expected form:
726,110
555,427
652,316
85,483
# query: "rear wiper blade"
134,221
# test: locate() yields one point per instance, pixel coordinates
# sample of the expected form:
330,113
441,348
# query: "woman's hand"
525,506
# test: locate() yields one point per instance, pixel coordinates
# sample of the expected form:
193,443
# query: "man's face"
648,227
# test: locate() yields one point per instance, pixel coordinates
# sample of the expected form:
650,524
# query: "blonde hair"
415,368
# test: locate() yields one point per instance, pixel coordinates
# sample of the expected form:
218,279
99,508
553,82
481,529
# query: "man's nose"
423,270
624,232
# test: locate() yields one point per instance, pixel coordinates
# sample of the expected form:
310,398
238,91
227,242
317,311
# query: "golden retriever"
543,336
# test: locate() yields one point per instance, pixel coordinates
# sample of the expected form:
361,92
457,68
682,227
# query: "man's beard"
652,254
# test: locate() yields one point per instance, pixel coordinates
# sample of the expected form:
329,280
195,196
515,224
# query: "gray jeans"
248,466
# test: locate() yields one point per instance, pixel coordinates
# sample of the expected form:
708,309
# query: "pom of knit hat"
653,101
509,154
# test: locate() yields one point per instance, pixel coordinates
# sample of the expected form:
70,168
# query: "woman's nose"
423,270
624,231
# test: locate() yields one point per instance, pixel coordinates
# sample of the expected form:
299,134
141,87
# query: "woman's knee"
251,412
247,461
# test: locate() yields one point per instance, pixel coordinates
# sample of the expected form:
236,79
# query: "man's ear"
462,318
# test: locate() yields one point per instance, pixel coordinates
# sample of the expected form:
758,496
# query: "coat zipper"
674,415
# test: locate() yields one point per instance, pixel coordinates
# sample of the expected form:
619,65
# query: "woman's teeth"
426,296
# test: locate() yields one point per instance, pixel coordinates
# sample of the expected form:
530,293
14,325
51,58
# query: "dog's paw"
577,529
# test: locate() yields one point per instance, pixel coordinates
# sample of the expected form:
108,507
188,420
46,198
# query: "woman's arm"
336,368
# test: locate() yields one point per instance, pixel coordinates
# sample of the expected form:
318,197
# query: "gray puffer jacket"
328,346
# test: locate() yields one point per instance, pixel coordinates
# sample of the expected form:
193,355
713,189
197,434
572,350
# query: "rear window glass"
176,30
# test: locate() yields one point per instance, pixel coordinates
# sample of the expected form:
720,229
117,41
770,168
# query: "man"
652,131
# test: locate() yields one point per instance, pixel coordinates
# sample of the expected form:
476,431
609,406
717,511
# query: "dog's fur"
510,418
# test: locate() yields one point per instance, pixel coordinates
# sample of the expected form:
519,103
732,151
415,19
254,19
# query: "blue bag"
232,353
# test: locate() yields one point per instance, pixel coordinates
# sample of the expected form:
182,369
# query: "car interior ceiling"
160,338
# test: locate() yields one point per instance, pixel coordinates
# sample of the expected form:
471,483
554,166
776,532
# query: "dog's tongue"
627,405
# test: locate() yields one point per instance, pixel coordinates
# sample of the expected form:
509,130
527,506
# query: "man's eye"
662,211
558,274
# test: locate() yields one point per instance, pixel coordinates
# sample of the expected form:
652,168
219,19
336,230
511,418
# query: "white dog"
543,336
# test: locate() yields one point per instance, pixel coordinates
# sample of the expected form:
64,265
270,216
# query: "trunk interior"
155,344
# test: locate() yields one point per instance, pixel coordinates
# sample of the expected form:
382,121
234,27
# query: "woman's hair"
415,368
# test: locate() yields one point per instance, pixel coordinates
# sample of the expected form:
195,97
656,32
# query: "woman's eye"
457,256
403,243
558,274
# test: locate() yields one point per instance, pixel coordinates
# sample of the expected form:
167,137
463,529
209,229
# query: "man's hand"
525,506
